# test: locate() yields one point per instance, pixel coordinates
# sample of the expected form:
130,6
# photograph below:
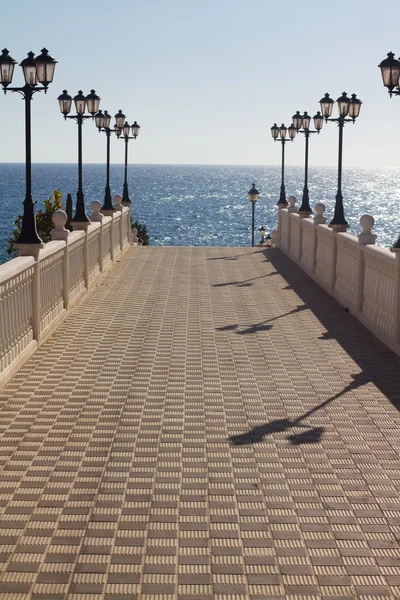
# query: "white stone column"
61,233
397,297
291,209
97,217
364,238
319,219
119,208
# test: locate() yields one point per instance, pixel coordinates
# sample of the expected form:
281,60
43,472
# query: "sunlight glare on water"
208,205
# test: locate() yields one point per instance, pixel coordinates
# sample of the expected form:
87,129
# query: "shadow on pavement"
311,436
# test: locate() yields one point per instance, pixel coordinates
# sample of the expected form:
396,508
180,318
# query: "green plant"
141,233
44,221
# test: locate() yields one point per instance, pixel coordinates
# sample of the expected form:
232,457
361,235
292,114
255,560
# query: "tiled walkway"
208,424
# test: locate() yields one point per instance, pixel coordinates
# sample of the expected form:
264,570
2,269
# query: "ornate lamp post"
36,70
253,197
280,133
103,121
347,107
302,125
82,103
390,69
125,132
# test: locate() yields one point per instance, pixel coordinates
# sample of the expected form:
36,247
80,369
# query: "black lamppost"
346,106
125,132
301,124
253,197
82,103
280,133
390,69
36,70
103,121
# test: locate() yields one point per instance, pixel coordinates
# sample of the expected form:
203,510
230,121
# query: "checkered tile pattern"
207,424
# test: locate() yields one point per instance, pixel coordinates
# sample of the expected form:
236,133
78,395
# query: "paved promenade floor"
207,424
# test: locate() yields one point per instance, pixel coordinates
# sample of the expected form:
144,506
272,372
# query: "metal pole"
125,193
305,203
28,234
282,197
107,196
252,223
80,213
338,217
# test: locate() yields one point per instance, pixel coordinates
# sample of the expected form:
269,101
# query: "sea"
207,205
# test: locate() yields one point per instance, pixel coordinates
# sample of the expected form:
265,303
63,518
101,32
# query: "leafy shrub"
141,233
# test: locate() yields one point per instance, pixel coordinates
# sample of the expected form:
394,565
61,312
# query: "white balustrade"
379,288
347,258
37,292
323,256
94,239
51,283
360,275
16,302
117,233
307,244
76,243
295,236
106,242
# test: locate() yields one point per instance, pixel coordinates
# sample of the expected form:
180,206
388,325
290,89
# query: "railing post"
59,232
334,261
119,208
397,297
319,219
97,217
279,228
365,237
112,238
291,209
36,300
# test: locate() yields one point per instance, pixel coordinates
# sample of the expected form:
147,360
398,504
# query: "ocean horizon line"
205,165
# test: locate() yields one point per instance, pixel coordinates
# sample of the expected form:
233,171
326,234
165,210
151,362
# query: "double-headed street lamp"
103,121
253,197
347,107
301,124
36,70
90,103
280,133
125,132
390,69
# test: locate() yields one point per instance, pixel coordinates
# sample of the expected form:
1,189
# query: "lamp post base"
282,198
107,205
305,209
28,233
338,222
125,195
80,213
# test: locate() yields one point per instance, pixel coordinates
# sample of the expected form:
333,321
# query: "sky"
206,79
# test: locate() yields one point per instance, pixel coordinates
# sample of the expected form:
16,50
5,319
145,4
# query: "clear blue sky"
206,79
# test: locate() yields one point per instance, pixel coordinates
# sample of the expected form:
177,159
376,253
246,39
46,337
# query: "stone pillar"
59,232
97,217
319,219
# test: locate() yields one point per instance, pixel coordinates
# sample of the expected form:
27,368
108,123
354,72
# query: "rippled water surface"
196,205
